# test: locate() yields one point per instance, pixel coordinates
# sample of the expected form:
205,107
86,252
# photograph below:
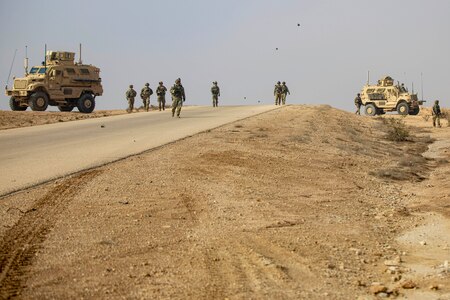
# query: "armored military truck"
385,96
59,81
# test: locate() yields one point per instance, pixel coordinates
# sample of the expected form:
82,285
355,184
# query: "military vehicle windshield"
42,70
34,70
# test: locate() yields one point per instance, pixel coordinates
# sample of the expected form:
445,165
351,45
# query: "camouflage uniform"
130,95
161,93
178,97
215,91
285,91
146,92
436,114
358,103
277,92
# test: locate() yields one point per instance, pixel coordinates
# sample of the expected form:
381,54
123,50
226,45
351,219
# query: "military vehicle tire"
86,103
14,105
65,108
38,101
370,110
415,111
403,109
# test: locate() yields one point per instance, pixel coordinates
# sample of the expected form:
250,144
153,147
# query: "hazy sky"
325,60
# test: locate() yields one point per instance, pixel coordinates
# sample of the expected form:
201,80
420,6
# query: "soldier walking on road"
358,103
285,91
215,91
436,112
178,97
146,92
130,95
161,93
277,92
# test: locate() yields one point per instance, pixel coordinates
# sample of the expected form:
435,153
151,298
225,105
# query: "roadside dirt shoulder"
16,119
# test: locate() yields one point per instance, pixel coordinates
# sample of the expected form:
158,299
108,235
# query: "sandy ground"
305,202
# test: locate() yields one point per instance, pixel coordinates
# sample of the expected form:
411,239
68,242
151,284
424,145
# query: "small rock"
383,295
434,287
423,243
377,288
102,126
124,202
409,284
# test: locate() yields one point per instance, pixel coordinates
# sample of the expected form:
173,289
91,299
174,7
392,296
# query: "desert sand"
304,202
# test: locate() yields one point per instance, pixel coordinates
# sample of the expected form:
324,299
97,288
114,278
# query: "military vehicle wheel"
38,101
86,103
14,105
415,111
371,110
403,109
65,108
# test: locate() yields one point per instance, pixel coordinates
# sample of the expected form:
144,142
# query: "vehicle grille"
20,84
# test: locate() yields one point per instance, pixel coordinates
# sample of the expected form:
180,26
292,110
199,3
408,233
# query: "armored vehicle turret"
385,96
59,81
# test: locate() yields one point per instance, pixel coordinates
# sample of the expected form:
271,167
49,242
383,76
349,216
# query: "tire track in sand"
21,242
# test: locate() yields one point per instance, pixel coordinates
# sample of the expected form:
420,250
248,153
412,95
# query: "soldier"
215,91
178,97
277,92
436,114
161,93
285,91
146,92
358,103
130,94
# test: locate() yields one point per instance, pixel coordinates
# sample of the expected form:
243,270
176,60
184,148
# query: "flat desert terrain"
302,202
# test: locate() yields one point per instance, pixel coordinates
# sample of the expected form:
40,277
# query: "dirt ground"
303,202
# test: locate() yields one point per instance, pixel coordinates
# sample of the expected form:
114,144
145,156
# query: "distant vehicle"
385,96
59,81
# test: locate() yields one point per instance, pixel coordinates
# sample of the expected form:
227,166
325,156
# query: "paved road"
33,155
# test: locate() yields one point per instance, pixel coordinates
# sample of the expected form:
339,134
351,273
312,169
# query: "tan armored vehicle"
385,96
59,82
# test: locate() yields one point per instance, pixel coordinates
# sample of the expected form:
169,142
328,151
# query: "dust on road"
295,203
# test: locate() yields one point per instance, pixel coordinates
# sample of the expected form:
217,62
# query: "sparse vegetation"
446,115
397,130
425,117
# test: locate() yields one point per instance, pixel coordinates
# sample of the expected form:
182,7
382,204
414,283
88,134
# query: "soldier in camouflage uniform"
130,95
277,92
215,91
146,92
178,97
161,93
358,103
285,91
436,112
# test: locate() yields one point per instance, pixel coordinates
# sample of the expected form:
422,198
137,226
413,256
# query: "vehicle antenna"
45,57
79,60
412,87
421,83
10,69
368,77
25,63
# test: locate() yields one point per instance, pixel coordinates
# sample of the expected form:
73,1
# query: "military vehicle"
59,81
385,96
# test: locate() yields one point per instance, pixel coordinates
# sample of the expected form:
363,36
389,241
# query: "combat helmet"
131,86
147,84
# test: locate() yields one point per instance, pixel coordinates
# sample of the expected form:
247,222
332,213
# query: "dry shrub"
397,130
425,117
446,115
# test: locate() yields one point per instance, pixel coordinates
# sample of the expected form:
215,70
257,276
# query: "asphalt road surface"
33,155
